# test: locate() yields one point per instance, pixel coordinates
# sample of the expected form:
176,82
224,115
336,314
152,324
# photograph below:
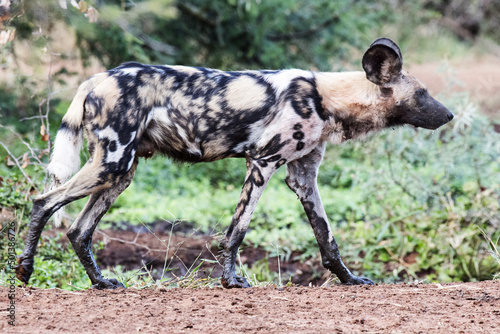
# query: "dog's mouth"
429,127
433,123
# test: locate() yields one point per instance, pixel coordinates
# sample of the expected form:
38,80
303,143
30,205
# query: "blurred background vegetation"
407,204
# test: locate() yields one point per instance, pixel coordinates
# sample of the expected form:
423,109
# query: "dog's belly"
198,135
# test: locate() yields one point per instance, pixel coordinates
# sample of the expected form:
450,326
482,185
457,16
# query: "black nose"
450,116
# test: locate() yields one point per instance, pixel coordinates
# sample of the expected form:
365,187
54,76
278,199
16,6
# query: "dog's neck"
355,105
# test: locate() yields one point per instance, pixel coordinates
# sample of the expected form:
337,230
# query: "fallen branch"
133,242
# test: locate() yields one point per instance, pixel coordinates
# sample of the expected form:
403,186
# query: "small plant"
495,253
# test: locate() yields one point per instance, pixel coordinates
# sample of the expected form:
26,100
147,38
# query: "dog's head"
410,101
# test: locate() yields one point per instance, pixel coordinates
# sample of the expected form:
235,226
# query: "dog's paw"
235,281
24,269
355,280
107,284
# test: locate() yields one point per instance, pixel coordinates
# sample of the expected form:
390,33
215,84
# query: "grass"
495,253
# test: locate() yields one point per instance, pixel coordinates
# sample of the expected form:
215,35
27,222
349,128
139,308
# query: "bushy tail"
65,158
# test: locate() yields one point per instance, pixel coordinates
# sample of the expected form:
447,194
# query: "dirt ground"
331,308
387,308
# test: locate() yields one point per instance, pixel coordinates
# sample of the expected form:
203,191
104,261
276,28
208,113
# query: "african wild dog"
270,118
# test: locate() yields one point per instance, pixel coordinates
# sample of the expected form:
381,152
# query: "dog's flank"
270,118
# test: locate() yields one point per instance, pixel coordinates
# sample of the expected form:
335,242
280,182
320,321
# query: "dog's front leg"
255,181
301,178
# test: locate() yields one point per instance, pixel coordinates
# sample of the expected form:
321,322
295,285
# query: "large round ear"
382,61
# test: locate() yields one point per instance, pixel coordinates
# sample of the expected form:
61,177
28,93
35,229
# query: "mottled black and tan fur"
270,118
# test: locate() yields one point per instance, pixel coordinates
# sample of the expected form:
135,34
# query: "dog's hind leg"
301,178
255,181
80,232
83,183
